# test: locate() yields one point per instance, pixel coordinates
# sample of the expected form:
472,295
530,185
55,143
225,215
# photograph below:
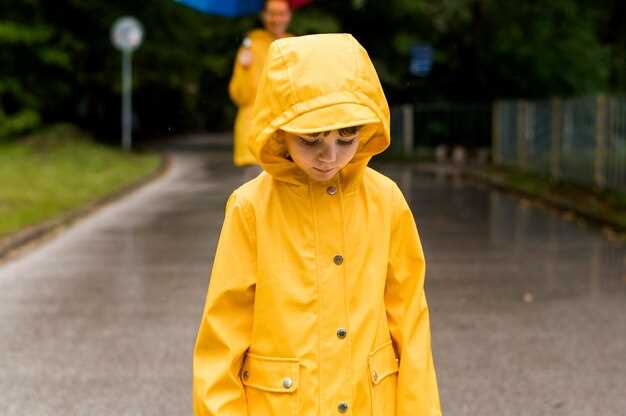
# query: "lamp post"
126,35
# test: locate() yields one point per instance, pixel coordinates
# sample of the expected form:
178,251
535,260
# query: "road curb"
15,244
554,202
612,229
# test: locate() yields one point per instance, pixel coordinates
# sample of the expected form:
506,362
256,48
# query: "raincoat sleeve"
407,314
225,329
242,86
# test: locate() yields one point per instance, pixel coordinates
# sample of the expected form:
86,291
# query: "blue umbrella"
229,8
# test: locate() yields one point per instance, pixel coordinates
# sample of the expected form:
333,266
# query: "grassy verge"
601,206
60,169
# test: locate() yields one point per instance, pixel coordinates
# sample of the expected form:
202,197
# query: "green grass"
58,170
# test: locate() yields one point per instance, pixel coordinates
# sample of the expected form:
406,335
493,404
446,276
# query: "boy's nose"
328,154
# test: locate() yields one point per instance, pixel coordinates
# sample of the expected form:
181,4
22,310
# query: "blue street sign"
421,59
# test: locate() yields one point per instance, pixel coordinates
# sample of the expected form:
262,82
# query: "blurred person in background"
276,16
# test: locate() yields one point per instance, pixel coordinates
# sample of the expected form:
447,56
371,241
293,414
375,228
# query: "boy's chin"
321,176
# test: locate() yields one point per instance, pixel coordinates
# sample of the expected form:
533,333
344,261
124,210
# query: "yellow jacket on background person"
242,89
316,302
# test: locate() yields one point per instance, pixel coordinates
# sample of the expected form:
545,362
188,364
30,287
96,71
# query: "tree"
57,61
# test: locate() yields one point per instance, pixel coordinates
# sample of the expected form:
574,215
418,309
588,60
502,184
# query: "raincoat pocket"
383,367
271,385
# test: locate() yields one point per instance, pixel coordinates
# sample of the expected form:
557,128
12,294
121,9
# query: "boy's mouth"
324,170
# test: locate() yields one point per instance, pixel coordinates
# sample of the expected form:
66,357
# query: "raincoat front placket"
327,201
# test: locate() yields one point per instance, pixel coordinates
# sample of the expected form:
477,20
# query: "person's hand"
245,58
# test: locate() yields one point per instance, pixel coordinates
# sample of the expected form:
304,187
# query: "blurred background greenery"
57,62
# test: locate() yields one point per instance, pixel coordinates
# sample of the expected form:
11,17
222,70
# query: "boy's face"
276,17
322,155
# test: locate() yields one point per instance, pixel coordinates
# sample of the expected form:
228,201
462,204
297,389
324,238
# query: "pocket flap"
382,362
280,375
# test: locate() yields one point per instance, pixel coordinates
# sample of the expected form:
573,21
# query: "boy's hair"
343,132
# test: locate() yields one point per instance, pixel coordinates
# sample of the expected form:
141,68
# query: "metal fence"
580,140
422,125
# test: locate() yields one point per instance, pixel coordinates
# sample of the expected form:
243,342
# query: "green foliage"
36,69
18,123
12,33
486,49
311,20
548,47
57,61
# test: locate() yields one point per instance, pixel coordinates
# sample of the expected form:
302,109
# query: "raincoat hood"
317,83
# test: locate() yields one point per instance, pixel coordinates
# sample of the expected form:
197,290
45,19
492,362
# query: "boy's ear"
279,136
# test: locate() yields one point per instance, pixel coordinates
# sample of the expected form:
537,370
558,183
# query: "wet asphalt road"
528,310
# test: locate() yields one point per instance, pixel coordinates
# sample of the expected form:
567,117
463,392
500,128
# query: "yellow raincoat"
242,90
316,303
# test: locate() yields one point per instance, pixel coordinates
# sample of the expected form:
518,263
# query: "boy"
316,303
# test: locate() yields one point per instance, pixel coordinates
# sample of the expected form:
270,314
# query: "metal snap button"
331,190
341,332
287,382
338,260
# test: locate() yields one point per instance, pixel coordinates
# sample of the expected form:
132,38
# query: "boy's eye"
346,142
308,142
